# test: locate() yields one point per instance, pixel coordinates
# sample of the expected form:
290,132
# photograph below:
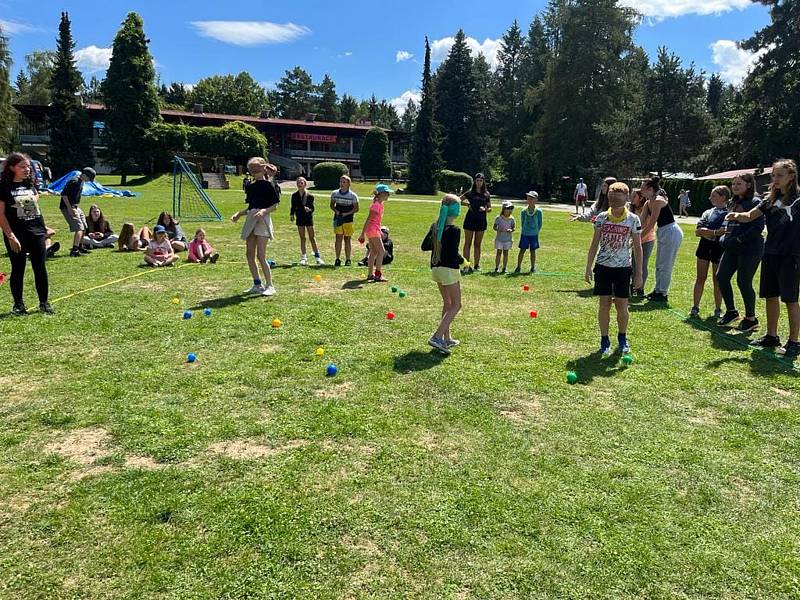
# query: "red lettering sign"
312,137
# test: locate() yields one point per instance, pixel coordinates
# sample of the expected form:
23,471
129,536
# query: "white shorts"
503,245
257,227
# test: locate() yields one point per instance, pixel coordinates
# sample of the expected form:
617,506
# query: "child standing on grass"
262,200
614,232
302,213
442,241
504,225
159,251
531,219
372,233
710,228
200,250
344,204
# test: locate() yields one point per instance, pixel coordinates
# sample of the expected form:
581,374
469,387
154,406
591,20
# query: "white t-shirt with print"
615,238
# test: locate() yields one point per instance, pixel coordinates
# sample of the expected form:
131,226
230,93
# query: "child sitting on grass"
442,241
159,251
504,225
531,219
200,251
615,230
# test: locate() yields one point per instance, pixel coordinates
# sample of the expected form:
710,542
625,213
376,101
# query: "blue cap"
382,187
159,229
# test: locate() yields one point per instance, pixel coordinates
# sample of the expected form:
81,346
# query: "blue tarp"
90,188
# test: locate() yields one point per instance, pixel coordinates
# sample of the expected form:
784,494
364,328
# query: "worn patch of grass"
127,472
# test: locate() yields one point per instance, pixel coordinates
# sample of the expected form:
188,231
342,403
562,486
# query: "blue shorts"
529,242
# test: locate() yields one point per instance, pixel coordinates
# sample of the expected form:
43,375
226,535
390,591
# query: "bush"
375,161
699,191
454,182
235,141
326,175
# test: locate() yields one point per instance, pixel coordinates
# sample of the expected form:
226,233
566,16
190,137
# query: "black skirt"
475,221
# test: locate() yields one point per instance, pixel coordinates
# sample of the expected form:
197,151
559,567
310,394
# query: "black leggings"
744,264
35,247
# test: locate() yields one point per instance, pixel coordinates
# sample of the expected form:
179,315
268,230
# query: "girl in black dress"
475,222
302,213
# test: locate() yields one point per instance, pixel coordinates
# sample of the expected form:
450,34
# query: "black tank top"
665,217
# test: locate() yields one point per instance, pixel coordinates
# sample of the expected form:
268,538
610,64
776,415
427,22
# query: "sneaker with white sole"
256,289
439,344
320,262
269,291
452,343
303,261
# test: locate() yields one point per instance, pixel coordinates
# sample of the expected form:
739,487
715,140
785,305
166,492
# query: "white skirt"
256,226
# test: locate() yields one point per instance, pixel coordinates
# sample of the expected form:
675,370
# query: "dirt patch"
146,463
140,283
784,393
523,411
705,418
270,349
326,287
249,450
361,546
83,446
340,390
92,471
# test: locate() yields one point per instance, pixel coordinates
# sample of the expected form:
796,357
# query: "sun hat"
507,204
382,187
533,194
159,229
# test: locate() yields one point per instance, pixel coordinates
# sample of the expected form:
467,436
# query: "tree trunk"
123,178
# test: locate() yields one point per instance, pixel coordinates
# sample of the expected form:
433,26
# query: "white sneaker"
256,289
269,291
320,261
303,261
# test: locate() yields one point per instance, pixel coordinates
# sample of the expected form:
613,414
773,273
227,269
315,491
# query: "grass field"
126,472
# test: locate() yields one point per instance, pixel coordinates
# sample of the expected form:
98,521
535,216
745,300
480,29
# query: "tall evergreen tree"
770,92
6,110
714,94
409,119
70,129
486,122
375,161
130,97
509,96
348,109
425,160
295,94
456,108
21,85
328,106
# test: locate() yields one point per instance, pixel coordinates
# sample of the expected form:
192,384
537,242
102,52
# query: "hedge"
326,175
375,161
699,191
454,182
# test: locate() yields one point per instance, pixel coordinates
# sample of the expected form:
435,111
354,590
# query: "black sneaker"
657,297
44,307
83,250
338,262
748,324
53,249
214,258
348,263
362,262
19,310
729,317
789,350
768,341
75,252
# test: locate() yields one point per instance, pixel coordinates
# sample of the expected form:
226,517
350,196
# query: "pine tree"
409,119
456,109
348,109
714,94
375,160
328,106
38,72
93,93
770,92
295,94
509,96
425,160
130,97
6,110
21,85
70,130
486,121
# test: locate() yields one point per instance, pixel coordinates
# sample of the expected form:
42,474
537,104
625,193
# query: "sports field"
126,472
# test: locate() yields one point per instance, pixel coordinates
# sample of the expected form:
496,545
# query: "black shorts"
304,220
708,250
780,276
612,281
475,221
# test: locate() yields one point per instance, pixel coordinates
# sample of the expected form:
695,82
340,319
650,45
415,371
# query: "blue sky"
366,46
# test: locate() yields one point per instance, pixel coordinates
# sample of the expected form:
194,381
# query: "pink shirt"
373,228
194,247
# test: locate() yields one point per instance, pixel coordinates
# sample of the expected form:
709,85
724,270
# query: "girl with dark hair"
742,249
24,231
600,204
780,266
710,229
98,232
668,236
640,208
174,231
475,222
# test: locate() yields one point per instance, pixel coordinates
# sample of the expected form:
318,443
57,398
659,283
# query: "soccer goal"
190,202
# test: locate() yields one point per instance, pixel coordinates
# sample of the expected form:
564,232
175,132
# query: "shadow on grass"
417,361
720,338
354,284
593,365
582,293
225,302
761,362
647,306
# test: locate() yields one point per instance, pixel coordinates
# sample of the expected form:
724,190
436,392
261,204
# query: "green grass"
408,475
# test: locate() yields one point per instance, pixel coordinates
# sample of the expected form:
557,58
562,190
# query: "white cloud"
403,55
663,9
401,102
489,47
250,33
93,59
734,62
14,27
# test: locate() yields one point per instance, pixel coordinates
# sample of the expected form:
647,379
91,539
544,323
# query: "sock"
316,254
303,255
605,341
621,337
256,281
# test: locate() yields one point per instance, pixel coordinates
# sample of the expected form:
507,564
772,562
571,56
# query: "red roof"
732,174
249,119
